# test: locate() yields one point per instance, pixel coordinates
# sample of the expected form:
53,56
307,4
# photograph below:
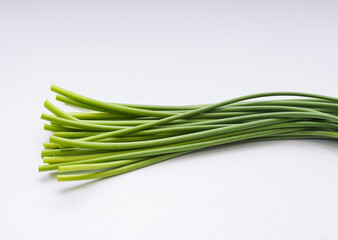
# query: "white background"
168,52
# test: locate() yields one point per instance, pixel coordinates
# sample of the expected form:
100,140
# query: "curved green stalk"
158,142
107,106
127,168
53,128
118,138
131,167
296,115
199,111
187,146
58,112
71,158
80,124
186,137
117,171
97,166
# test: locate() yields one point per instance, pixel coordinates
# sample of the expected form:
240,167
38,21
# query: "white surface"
168,52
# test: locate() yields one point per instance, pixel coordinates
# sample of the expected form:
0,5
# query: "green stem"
117,171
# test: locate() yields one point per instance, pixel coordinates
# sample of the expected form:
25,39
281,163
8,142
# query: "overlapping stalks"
107,139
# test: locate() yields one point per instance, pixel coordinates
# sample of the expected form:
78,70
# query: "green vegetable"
107,139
